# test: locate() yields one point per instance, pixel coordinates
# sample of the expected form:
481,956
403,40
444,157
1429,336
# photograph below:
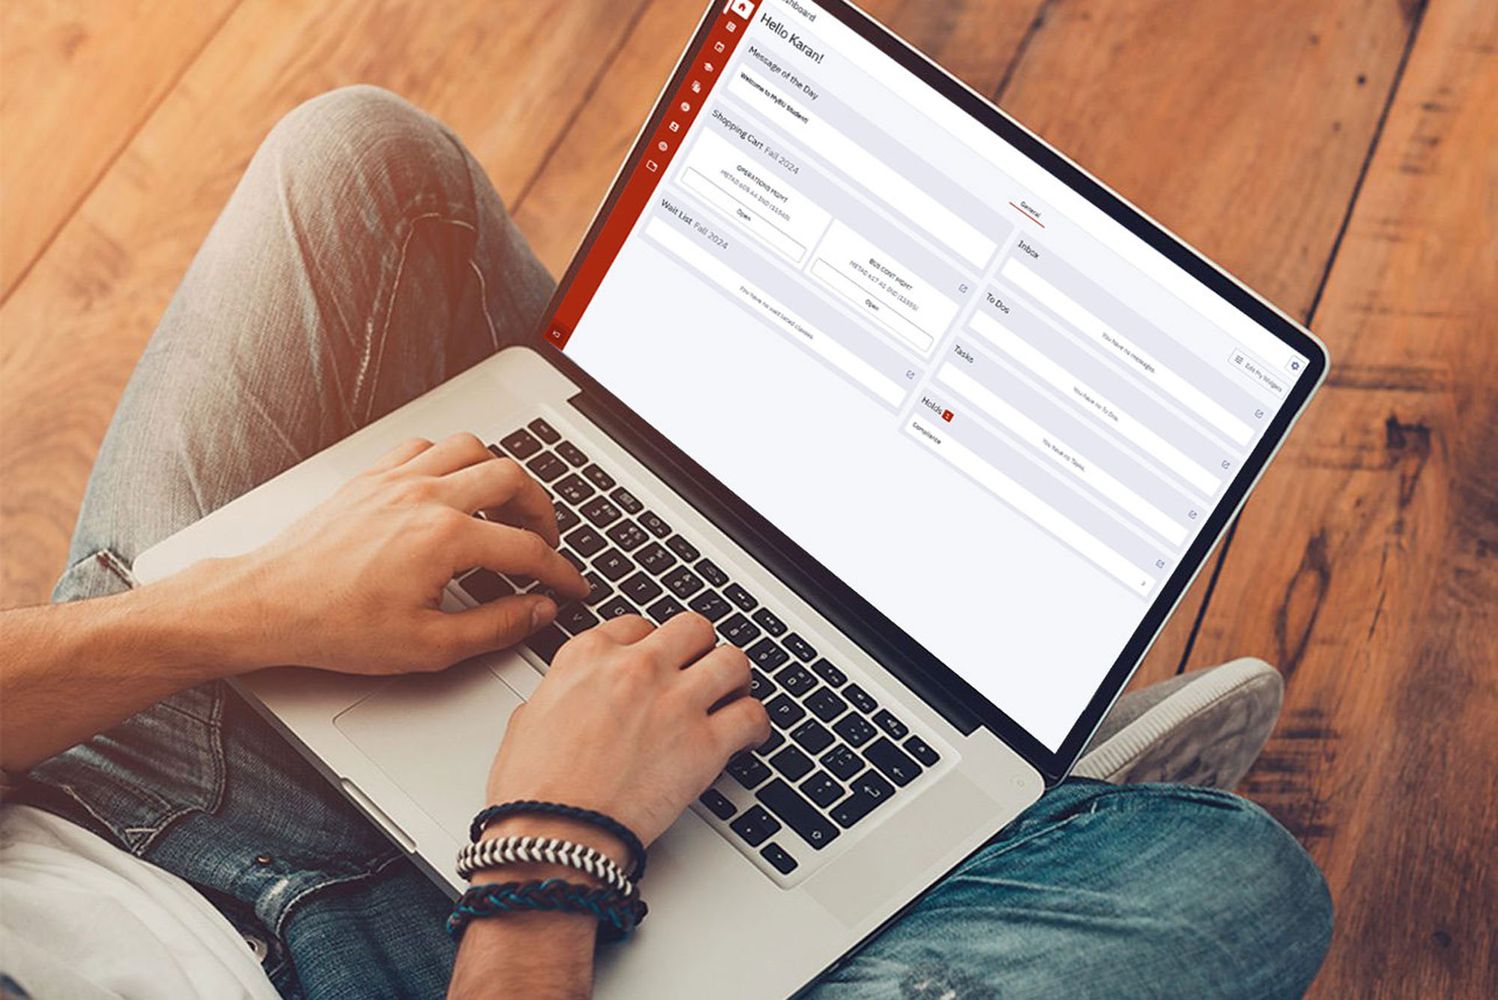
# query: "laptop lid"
982,412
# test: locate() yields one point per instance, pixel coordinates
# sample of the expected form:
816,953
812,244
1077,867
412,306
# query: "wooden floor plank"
506,75
77,84
1242,126
1375,552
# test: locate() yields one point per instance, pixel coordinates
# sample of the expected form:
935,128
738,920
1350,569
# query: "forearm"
73,670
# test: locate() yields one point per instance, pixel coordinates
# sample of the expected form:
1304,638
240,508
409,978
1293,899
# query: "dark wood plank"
1374,554
506,75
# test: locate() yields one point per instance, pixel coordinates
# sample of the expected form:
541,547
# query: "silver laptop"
925,418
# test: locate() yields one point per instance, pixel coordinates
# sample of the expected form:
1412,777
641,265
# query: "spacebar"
787,803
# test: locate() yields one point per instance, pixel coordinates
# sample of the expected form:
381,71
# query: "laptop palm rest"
435,736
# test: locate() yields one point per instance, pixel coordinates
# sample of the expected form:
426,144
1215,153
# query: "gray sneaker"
1205,727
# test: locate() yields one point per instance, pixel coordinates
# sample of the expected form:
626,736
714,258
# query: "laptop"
922,416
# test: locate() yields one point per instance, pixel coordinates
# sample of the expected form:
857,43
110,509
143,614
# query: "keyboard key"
616,607
870,791
683,582
628,535
496,451
711,573
756,826
601,511
795,679
921,751
521,444
812,735
779,860
784,712
546,466
738,595
717,803
567,519
798,814
545,642
760,686
842,762
485,585
769,622
654,524
683,548
655,558
640,589
821,789
792,763
832,675
599,589
860,698
544,431
710,605
575,559
664,609
767,655
624,498
586,542
574,455
614,565
739,630
855,729
575,618
896,764
825,705
746,770
599,478
574,489
887,722
770,745
800,647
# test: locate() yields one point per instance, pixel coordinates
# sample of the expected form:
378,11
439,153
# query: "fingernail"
542,612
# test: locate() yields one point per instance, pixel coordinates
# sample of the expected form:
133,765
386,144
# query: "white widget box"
761,204
881,287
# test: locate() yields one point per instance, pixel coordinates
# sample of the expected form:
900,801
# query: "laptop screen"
987,406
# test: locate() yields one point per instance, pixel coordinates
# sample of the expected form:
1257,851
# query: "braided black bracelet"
616,913
606,823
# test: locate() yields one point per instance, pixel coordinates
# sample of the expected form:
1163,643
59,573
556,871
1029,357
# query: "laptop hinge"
782,564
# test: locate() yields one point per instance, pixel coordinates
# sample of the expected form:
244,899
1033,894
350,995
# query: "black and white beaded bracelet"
542,850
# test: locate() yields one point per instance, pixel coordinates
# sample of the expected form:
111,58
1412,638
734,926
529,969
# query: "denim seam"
290,905
374,354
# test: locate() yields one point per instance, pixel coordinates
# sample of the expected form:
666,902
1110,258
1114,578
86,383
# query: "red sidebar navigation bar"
703,70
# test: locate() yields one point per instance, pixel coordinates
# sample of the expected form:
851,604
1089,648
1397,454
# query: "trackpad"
435,736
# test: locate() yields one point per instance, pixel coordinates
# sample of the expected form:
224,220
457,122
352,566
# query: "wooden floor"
1341,156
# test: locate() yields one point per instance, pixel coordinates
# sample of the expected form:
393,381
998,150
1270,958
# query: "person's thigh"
363,259
1114,892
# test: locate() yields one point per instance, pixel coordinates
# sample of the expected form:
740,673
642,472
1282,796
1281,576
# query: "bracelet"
549,850
606,823
617,914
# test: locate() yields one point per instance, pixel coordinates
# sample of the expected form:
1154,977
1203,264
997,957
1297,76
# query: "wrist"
560,828
208,622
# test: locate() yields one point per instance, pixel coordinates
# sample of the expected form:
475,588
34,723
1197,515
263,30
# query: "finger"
681,640
502,483
515,552
454,452
718,675
400,454
626,629
739,725
497,625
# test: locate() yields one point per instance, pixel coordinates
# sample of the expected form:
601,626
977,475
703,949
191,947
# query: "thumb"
497,625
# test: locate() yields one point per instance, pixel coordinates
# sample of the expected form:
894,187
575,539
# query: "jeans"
363,259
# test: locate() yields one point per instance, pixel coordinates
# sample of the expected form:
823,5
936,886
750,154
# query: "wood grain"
1374,554
77,85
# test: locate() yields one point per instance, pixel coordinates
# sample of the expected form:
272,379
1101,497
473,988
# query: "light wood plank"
1374,554
506,75
77,84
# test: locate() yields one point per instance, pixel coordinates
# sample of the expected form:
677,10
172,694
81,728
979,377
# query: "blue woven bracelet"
616,913
604,822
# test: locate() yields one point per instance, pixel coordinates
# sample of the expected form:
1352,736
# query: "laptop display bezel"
890,645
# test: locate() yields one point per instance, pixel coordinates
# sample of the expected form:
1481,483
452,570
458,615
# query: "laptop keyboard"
835,755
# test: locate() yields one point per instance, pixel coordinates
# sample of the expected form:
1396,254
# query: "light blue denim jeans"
363,259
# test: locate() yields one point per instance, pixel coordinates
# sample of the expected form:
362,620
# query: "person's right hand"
632,721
